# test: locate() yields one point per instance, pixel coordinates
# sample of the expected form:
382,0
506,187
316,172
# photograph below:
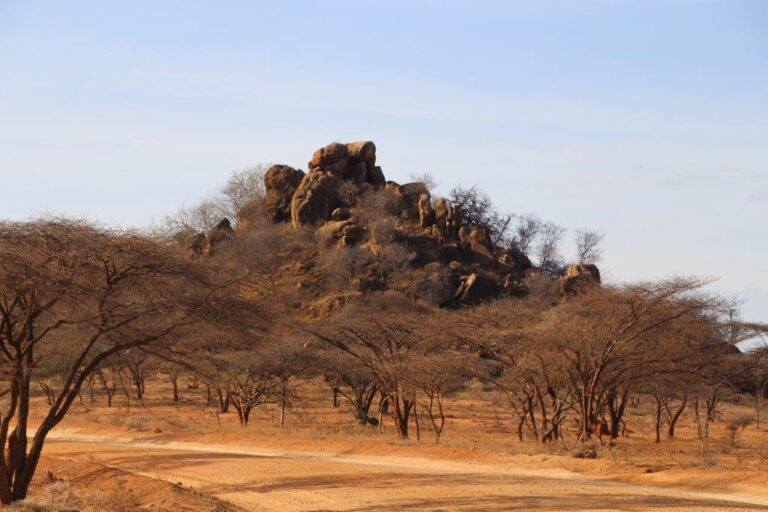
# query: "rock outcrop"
419,245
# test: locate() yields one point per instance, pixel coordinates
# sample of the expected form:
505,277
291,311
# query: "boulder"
585,270
331,232
355,161
477,288
407,197
477,237
447,217
221,232
515,258
362,151
280,183
376,177
426,213
329,157
315,198
578,279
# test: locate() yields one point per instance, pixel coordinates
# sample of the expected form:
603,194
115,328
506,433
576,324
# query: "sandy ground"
256,478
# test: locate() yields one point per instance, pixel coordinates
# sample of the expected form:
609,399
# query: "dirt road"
263,479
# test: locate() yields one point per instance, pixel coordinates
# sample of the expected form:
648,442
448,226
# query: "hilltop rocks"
355,161
578,279
315,198
280,182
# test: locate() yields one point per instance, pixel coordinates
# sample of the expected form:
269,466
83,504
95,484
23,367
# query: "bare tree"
548,248
352,381
70,288
438,375
526,230
478,208
588,248
243,187
384,343
426,178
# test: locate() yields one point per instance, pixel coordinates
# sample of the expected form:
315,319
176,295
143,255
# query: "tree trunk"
175,385
658,419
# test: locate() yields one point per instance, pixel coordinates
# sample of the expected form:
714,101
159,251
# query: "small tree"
588,248
438,375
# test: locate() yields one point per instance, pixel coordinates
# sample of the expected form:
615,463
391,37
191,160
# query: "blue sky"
645,120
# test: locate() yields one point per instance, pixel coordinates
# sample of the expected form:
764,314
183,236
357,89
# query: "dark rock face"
280,182
477,288
219,233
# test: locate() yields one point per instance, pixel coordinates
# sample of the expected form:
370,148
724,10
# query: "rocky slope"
383,235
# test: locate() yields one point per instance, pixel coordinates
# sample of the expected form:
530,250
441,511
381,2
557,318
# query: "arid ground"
164,456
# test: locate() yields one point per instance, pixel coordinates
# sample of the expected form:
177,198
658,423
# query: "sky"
645,120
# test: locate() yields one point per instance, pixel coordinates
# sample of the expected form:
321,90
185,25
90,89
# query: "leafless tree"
439,375
550,235
67,287
526,230
588,248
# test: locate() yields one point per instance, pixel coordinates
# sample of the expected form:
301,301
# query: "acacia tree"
438,375
612,338
352,381
284,361
69,288
385,343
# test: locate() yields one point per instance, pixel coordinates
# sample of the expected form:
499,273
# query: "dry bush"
343,264
244,187
376,205
737,425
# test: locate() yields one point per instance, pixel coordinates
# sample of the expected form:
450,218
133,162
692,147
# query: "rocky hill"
353,232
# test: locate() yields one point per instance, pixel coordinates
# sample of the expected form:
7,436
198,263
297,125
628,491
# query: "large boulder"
477,288
355,161
331,157
315,198
515,258
578,279
280,182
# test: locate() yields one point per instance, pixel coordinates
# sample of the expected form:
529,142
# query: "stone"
315,198
477,237
426,212
477,288
280,183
